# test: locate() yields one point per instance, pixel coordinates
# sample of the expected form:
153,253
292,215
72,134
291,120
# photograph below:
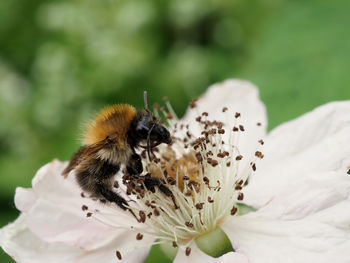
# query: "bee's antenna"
145,100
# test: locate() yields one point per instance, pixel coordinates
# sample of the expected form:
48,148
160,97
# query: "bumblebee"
109,142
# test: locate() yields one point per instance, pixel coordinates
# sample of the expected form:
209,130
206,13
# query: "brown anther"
221,131
119,256
165,99
199,118
206,180
155,106
240,196
199,157
210,200
234,210
171,180
261,142
199,206
139,236
169,116
156,212
228,164
240,182
258,124
259,154
188,224
188,251
235,129
205,113
239,157
89,214
209,160
241,127
84,208
149,214
185,178
142,216
162,109
174,244
82,195
214,163
188,193
237,115
238,187
224,109
254,167
116,184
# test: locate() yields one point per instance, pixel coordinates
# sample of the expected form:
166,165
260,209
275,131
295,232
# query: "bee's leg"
134,165
150,182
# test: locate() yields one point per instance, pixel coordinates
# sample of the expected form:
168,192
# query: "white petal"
307,222
238,96
21,244
54,209
315,142
266,240
315,194
197,256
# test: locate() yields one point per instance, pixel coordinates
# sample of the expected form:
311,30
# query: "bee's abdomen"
94,173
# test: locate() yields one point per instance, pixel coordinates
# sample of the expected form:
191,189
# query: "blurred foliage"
61,61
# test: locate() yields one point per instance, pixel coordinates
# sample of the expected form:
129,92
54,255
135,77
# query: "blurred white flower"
298,184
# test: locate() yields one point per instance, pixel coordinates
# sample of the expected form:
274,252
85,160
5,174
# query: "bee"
109,142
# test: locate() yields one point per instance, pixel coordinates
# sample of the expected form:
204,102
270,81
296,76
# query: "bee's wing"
83,153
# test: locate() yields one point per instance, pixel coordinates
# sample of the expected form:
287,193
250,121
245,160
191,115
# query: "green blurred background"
62,60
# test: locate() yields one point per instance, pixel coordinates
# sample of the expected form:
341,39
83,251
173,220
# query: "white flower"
298,183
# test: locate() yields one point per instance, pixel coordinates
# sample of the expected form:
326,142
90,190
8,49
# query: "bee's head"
148,127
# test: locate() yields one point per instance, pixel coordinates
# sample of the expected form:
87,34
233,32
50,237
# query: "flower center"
191,185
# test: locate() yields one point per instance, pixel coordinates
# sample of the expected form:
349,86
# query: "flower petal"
312,143
307,222
197,256
25,247
54,209
238,96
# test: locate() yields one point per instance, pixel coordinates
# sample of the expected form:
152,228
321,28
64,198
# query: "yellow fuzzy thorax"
112,121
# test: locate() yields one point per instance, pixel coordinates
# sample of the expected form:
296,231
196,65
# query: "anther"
239,157
210,200
205,113
240,196
259,154
142,216
235,129
233,210
241,127
156,212
188,224
254,167
84,208
188,251
119,256
258,124
261,142
174,244
224,109
199,206
89,214
139,236
237,115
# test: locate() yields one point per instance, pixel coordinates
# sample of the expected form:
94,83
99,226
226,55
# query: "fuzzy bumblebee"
110,141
